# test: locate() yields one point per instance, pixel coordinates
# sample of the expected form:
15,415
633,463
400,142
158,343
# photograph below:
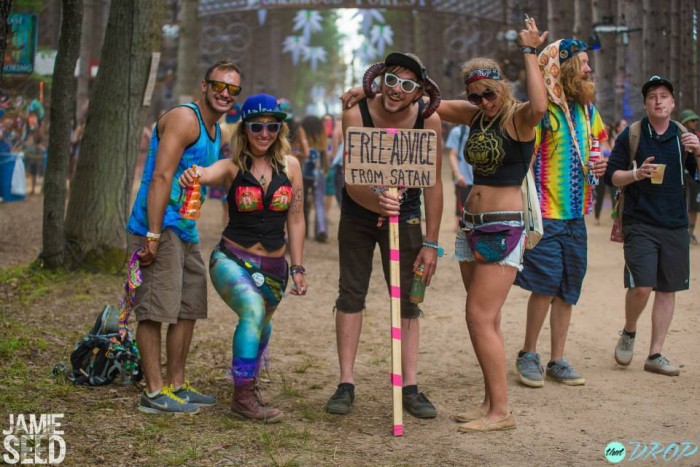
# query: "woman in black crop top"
248,268
490,247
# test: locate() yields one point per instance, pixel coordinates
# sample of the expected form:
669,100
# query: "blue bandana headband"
570,47
482,73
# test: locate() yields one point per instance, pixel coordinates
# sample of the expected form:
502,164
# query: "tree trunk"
632,61
99,202
583,11
603,63
560,19
188,75
63,94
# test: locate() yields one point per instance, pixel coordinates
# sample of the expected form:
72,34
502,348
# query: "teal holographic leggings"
236,286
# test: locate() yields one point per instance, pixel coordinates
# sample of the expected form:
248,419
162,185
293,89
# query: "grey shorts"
174,285
656,257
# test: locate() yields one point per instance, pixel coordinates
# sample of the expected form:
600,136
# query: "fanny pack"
271,286
491,243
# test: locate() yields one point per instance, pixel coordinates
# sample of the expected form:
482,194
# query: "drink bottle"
193,195
592,158
417,287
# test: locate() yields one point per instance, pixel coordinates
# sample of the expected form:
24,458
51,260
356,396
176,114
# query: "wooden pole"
395,273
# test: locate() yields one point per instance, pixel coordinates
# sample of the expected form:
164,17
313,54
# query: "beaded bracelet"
297,269
440,250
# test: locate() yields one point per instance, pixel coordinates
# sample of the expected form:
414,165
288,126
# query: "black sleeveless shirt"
410,201
255,216
497,159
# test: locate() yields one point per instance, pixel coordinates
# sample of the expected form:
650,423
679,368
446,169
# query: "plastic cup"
657,178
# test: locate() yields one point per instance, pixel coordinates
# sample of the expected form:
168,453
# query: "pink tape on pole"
391,131
396,380
393,219
394,254
395,292
398,430
396,333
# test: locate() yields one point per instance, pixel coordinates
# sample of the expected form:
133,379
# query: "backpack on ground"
109,350
105,355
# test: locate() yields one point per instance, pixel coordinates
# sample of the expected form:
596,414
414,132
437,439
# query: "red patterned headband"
482,73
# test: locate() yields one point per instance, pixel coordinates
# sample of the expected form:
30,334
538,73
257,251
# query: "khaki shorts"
174,285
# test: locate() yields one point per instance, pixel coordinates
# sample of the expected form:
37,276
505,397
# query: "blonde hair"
243,157
575,88
501,87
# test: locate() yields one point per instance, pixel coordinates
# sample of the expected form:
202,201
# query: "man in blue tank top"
174,289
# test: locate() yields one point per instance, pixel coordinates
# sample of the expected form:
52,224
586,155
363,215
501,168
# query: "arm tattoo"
298,203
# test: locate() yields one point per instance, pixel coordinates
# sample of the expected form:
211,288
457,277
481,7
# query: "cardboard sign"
391,157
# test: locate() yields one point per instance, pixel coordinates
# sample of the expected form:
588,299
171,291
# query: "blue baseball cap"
261,104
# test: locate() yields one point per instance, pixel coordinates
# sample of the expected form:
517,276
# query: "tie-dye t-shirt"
561,182
203,152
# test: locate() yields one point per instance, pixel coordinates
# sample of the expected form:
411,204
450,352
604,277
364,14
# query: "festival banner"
21,44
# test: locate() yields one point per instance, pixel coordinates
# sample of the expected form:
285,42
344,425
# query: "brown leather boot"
246,404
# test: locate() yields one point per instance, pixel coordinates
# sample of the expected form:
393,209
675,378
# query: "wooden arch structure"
444,33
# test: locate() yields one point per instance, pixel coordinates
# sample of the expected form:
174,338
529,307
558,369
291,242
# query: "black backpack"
105,354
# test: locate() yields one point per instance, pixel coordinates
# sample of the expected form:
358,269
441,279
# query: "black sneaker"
341,402
419,406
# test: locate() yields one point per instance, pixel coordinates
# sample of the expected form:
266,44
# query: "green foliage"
29,6
329,73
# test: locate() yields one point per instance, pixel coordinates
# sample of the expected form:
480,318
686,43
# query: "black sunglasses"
219,86
257,127
476,99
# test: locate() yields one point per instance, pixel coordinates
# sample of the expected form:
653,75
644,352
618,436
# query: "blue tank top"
203,152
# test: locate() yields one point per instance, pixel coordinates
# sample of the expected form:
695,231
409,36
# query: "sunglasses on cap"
476,99
258,127
407,85
219,86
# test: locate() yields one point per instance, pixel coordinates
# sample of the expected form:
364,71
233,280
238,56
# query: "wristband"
634,174
528,50
152,236
297,269
440,250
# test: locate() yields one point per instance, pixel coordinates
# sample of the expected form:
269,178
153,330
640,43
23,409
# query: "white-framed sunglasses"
407,85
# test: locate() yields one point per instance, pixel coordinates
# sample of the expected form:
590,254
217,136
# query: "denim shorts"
463,251
557,265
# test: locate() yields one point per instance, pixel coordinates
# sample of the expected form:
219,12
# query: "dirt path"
557,425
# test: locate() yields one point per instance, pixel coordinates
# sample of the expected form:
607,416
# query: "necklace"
488,125
261,176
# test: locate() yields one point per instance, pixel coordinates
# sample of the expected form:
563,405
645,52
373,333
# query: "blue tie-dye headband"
570,47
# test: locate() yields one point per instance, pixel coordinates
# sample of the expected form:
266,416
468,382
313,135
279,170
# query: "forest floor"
44,314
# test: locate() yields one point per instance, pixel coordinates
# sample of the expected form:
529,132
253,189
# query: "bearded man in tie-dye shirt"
554,270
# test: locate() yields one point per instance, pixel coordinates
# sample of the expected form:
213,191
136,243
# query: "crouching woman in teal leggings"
248,267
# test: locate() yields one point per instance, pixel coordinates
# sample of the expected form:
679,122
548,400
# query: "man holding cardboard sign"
403,157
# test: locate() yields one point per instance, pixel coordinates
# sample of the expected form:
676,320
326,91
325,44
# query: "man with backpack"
648,160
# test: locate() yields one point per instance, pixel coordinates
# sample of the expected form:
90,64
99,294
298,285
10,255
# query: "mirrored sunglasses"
476,99
219,86
257,127
407,85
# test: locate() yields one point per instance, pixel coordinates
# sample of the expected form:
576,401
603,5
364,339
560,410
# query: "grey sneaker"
562,372
341,402
530,371
624,349
192,396
661,366
165,402
419,406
